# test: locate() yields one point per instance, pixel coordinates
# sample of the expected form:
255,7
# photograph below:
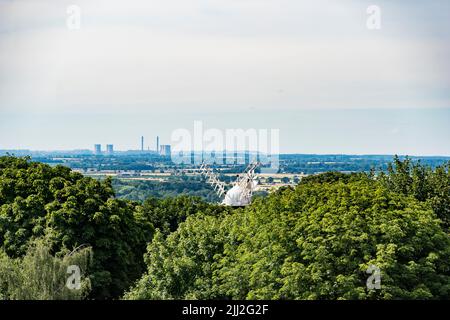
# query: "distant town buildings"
163,149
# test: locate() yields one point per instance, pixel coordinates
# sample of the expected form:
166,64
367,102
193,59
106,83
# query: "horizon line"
228,151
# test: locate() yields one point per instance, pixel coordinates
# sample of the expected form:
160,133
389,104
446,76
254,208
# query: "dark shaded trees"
37,200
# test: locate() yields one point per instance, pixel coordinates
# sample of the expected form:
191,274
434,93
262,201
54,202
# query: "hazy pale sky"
145,67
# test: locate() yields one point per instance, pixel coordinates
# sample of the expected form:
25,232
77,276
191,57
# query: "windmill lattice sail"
213,179
242,191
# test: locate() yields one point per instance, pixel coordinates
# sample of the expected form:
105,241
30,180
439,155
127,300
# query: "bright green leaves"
314,242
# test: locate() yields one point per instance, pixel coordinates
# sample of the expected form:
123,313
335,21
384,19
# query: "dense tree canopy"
139,190
40,276
37,200
167,213
70,210
423,183
314,241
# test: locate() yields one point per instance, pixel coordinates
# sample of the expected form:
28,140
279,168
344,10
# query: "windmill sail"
213,179
242,191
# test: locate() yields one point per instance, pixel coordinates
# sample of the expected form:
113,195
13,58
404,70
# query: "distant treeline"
311,164
289,163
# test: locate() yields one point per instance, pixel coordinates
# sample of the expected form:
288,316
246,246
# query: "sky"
312,69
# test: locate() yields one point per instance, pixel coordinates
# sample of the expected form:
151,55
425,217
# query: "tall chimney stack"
157,144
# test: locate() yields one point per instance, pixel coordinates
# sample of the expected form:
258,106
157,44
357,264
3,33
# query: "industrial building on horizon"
109,149
98,149
163,149
157,144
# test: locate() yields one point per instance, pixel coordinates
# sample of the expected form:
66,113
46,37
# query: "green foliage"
332,176
166,214
312,242
423,183
181,265
40,276
285,180
139,190
37,200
